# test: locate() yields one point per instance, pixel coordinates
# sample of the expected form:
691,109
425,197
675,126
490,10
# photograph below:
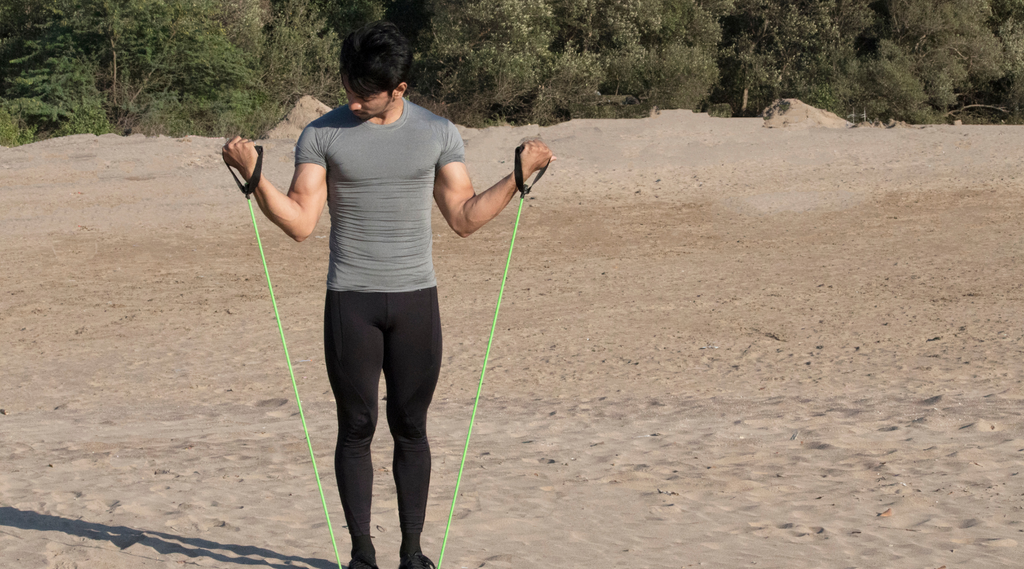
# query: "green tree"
568,89
932,56
486,58
82,62
660,51
50,80
344,17
12,132
805,49
299,55
1007,23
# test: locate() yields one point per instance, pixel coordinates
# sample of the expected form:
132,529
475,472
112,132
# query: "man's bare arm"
464,209
296,212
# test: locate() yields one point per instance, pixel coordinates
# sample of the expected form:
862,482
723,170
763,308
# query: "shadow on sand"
162,543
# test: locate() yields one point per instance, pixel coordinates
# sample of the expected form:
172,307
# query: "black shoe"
416,561
359,563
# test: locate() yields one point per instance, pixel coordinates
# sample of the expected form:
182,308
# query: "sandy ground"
722,345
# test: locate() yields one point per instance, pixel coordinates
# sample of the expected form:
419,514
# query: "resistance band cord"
523,190
248,189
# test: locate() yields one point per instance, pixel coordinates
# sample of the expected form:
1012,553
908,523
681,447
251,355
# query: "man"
377,162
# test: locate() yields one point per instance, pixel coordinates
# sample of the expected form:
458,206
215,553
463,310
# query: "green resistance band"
523,190
248,189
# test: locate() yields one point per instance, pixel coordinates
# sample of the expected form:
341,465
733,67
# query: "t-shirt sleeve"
452,150
309,149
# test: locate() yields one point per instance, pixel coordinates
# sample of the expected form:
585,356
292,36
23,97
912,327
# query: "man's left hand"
240,154
535,155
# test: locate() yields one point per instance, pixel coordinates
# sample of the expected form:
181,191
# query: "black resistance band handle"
520,182
249,187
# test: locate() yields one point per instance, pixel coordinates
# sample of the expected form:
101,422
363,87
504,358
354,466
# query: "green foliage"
570,88
84,60
1007,23
85,120
243,113
412,17
220,67
12,131
802,49
156,50
59,94
673,77
947,45
243,22
344,17
660,51
299,56
487,59
720,110
544,61
895,90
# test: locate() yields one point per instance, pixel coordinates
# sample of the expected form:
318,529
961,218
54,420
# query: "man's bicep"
452,187
309,186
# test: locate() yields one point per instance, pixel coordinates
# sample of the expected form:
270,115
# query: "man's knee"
356,429
405,425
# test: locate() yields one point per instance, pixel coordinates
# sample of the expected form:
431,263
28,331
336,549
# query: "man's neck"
391,113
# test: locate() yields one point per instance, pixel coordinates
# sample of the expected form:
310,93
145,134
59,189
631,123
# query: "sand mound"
792,113
305,111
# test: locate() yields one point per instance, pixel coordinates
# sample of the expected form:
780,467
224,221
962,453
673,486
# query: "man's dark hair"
375,58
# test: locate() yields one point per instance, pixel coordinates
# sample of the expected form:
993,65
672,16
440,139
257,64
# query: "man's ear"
400,90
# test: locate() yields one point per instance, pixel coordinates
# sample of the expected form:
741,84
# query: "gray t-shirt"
380,184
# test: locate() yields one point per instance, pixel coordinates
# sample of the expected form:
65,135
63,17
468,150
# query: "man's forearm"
283,211
466,211
486,205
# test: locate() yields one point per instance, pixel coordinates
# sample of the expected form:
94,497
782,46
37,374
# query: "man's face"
371,106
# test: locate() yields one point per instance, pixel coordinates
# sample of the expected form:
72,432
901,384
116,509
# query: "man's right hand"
240,154
535,155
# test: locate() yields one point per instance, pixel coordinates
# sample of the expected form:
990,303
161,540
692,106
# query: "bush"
570,88
891,88
12,131
85,120
1008,90
720,110
59,95
246,113
221,67
299,56
682,77
949,46
676,77
486,59
775,49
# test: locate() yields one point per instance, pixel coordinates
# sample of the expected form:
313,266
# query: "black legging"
365,332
